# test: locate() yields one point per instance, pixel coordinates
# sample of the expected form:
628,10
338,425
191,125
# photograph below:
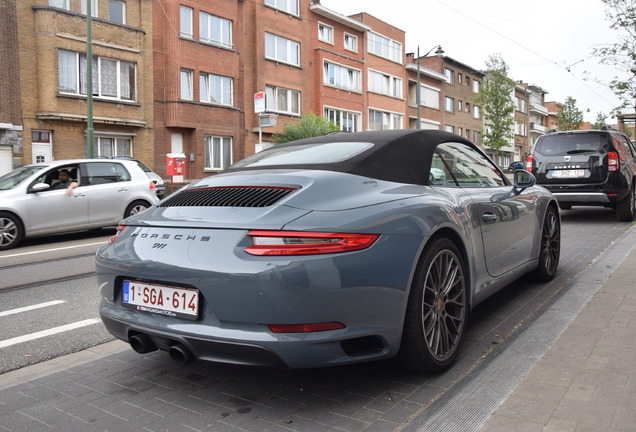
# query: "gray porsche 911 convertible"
327,251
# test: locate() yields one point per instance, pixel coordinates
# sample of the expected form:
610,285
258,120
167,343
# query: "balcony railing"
537,128
538,109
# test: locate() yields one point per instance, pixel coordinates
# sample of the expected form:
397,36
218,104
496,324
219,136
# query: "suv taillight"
529,161
153,186
612,161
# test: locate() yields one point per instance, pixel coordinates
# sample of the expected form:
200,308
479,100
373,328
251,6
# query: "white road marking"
32,307
53,250
49,332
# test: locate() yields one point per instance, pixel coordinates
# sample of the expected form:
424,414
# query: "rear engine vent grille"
232,196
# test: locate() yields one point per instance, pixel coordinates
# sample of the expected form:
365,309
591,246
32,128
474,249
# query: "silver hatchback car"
33,203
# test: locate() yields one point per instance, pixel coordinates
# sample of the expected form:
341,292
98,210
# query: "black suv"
587,167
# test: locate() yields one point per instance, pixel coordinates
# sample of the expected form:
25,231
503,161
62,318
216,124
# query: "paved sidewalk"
587,380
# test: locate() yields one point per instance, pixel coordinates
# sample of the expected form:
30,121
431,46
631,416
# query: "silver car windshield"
17,176
318,153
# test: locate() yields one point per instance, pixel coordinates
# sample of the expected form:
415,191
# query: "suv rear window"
564,144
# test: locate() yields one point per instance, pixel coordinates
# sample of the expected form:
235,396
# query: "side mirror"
39,187
523,179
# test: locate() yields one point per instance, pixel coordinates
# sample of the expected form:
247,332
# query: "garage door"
6,159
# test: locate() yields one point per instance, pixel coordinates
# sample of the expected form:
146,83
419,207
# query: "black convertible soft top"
402,156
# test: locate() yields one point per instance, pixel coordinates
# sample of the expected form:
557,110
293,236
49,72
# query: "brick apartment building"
180,76
52,84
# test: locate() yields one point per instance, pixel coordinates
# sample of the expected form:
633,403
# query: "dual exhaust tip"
143,344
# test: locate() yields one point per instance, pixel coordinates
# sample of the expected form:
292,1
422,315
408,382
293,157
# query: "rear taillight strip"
306,243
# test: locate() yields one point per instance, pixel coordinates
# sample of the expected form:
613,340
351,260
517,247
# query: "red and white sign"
175,164
259,102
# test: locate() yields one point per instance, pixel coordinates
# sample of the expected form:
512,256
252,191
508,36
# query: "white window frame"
350,42
215,30
71,72
217,152
475,86
282,50
288,6
123,11
450,75
291,97
385,47
186,28
449,128
186,84
347,121
115,147
340,76
216,89
429,96
383,83
476,112
94,7
325,33
390,120
449,104
63,4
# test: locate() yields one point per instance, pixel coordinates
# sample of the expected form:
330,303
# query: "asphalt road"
59,270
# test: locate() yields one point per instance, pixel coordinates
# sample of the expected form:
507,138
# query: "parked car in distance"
156,178
517,165
338,249
587,167
107,192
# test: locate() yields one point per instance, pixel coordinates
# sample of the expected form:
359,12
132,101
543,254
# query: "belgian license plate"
161,299
568,173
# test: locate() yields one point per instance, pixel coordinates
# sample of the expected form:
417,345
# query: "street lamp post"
439,51
89,82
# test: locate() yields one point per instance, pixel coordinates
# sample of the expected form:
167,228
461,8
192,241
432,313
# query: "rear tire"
136,207
11,231
550,248
625,208
437,310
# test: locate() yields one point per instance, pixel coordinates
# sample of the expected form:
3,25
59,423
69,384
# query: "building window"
215,89
385,47
217,152
429,97
350,42
449,104
186,84
289,6
385,84
94,8
347,121
113,79
282,100
450,129
117,11
460,106
450,76
380,120
281,49
476,112
106,146
62,4
325,33
475,86
520,128
185,22
215,30
341,76
460,131
460,78
476,137
521,104
467,107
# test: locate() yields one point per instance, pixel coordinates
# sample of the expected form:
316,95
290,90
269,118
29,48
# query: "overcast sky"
537,39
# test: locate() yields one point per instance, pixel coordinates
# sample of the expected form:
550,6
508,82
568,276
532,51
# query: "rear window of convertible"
318,153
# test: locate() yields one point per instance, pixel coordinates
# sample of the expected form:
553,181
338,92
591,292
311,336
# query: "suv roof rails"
609,127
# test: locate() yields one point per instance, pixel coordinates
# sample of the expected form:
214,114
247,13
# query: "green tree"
570,117
307,126
495,98
601,120
621,55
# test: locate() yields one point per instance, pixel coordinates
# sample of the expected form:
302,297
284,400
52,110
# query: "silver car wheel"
443,305
136,207
437,310
10,231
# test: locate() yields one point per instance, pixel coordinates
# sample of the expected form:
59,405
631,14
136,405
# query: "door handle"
489,217
123,189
